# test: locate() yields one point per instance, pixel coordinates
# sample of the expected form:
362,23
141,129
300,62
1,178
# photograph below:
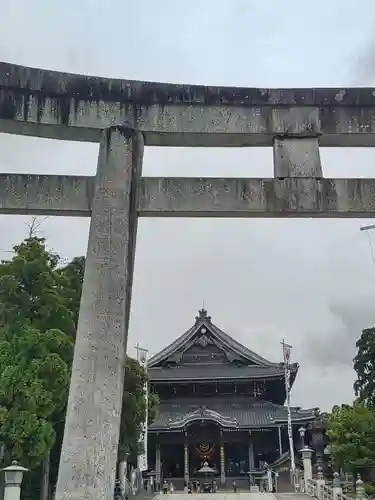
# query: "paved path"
233,496
291,496
218,496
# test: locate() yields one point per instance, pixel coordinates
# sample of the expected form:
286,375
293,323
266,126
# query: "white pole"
368,228
286,354
145,430
142,462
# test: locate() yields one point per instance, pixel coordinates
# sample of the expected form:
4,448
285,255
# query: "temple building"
219,402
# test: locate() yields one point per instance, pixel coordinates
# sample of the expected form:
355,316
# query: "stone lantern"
317,429
13,478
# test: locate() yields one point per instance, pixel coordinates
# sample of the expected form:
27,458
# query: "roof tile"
246,412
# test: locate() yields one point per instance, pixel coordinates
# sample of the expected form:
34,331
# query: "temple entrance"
200,453
204,446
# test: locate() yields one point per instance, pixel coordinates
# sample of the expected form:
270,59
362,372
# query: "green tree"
71,286
351,430
30,289
39,307
34,382
364,365
134,410
35,351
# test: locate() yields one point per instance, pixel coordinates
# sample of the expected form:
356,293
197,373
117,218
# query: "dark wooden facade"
221,403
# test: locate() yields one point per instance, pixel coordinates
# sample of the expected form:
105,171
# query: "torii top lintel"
76,107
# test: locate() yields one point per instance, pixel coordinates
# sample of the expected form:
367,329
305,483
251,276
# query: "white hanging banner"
142,462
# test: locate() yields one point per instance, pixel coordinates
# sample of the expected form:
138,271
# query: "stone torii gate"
124,116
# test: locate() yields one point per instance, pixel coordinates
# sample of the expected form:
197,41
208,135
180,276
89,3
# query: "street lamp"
142,356
13,479
302,432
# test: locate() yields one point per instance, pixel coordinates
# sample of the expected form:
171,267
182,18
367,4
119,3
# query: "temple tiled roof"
216,372
229,413
204,320
168,364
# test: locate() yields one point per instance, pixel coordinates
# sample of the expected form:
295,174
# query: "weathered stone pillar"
222,465
307,466
158,467
89,451
336,486
186,463
296,157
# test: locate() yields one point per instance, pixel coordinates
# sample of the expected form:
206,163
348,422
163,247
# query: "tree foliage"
35,351
71,286
39,307
30,289
34,382
134,409
351,430
364,365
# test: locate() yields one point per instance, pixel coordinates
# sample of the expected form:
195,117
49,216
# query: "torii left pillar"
89,451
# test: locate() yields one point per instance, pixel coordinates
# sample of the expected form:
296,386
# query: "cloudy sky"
310,281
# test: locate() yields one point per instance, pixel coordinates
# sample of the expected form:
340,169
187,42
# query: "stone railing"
318,489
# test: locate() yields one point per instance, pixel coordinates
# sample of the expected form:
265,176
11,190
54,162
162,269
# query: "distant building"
219,402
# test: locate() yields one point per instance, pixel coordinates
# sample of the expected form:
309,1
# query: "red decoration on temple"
205,450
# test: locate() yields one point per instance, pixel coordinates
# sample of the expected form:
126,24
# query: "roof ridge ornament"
203,316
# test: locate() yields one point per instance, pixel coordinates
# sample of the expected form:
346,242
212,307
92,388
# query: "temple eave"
228,415
208,372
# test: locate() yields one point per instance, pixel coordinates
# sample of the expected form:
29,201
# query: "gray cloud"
335,343
261,279
364,66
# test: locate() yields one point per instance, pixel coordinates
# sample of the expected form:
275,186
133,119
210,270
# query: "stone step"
220,496
291,496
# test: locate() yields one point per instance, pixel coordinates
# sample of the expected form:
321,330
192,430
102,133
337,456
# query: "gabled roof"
223,338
